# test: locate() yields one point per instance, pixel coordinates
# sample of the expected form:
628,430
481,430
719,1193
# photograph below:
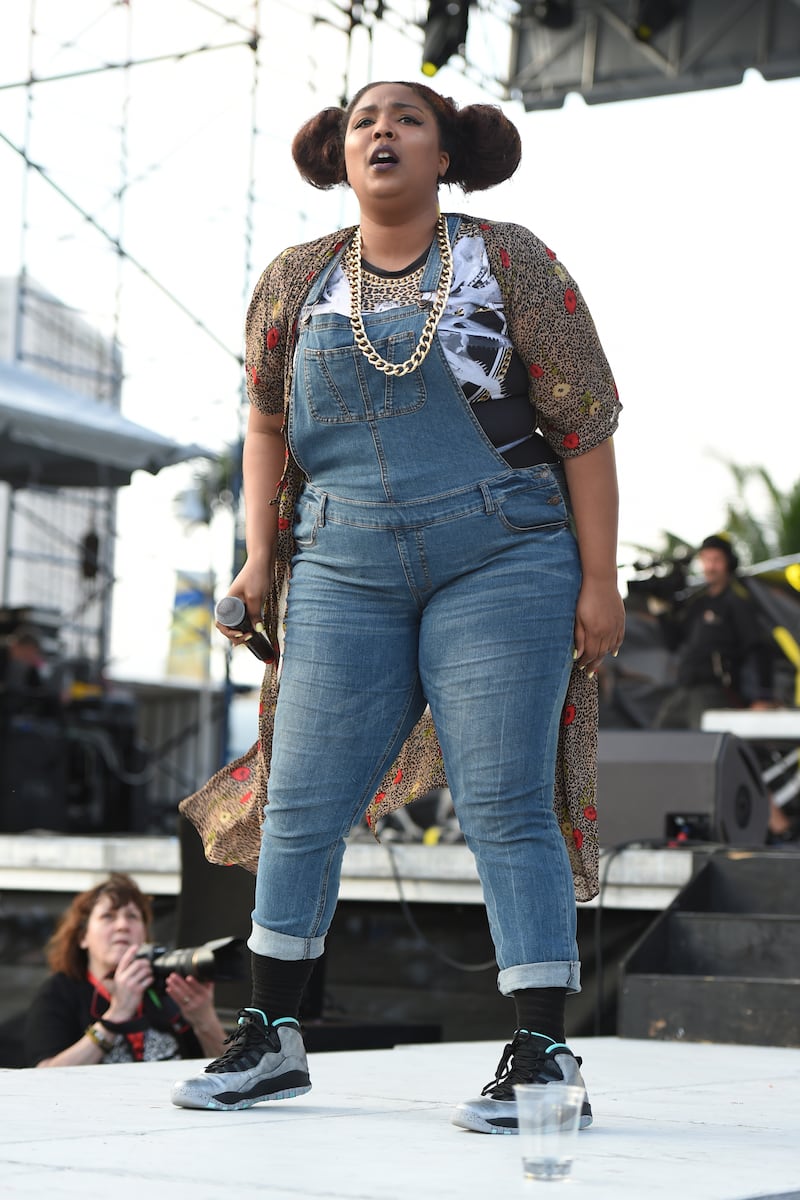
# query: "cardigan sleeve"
571,383
266,333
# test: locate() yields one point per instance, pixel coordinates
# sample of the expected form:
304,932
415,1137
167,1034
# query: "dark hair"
484,146
719,541
64,951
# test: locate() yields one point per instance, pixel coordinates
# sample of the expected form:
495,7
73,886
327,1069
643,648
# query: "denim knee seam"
313,918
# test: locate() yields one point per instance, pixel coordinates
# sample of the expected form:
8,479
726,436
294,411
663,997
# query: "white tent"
50,436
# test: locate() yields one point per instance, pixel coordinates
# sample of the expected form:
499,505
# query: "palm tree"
772,535
673,549
215,485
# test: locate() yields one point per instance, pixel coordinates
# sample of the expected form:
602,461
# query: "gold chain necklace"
352,265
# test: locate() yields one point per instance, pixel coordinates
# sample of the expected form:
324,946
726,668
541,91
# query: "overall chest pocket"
342,387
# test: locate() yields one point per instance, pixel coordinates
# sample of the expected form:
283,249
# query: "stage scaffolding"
60,543
88,347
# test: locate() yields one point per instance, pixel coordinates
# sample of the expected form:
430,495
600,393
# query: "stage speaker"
664,784
33,775
214,901
218,902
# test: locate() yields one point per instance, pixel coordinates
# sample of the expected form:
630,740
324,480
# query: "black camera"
666,579
219,961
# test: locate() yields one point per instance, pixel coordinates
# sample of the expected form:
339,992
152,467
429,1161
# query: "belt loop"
321,514
488,498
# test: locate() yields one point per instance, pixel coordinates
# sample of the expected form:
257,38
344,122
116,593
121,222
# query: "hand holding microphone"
231,613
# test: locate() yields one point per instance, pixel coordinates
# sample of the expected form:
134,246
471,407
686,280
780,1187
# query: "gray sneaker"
265,1061
528,1058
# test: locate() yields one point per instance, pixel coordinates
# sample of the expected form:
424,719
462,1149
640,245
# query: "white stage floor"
672,1120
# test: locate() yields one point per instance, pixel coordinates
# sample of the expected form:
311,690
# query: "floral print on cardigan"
573,392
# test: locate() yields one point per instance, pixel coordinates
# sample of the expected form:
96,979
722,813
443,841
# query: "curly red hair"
64,951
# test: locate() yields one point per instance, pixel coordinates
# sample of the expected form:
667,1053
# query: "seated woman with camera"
104,1003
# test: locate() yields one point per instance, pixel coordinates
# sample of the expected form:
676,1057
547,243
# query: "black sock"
278,985
541,1010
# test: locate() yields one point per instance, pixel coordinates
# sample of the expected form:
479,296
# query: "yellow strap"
791,649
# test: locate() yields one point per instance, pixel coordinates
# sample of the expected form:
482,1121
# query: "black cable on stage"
435,951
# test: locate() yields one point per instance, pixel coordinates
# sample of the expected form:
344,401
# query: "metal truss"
600,57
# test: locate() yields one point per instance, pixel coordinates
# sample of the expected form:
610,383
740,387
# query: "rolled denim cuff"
283,945
537,975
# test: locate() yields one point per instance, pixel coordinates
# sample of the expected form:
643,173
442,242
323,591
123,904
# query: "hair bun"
488,149
318,149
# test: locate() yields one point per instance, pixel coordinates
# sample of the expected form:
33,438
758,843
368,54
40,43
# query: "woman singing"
428,457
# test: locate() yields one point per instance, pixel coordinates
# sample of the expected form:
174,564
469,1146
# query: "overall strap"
433,266
323,275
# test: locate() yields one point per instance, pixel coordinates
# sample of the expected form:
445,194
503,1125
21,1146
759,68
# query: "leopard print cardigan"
573,392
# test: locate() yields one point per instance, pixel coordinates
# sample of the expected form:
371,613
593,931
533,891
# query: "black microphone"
231,613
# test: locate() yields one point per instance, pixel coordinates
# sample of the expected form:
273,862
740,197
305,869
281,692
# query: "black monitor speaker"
33,775
664,784
218,902
215,902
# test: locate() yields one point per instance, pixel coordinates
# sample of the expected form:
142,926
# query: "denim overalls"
427,571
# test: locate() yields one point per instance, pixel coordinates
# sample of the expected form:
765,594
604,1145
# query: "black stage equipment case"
665,784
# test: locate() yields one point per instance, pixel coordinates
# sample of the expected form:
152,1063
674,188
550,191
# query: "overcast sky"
677,216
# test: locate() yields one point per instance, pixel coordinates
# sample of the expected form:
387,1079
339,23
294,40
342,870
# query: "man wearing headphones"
723,658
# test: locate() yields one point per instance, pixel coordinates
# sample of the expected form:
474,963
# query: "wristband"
99,1041
134,1025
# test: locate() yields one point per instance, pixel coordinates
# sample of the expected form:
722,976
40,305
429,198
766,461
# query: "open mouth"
383,158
